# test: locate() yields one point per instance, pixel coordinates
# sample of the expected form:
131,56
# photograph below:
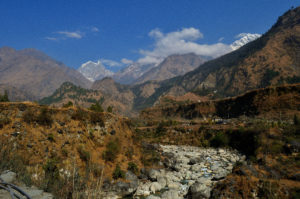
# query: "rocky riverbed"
33,192
189,172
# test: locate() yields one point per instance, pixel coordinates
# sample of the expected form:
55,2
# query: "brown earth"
69,139
271,102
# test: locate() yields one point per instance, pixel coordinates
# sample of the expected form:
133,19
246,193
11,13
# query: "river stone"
8,176
155,186
198,191
153,174
171,194
132,178
162,181
174,185
221,173
153,197
143,189
203,180
192,161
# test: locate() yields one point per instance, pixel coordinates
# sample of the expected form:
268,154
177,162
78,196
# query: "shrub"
268,76
91,134
129,152
296,119
110,109
220,140
64,152
4,98
96,169
245,141
160,130
112,150
268,189
67,105
96,107
51,174
118,173
28,116
133,167
80,114
83,154
150,156
4,121
44,118
97,118
275,148
51,137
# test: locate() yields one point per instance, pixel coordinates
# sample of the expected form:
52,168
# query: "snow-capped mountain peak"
94,70
244,38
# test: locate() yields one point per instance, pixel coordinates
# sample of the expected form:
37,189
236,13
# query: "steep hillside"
271,59
34,72
270,102
120,96
70,92
15,94
110,95
131,73
64,151
172,66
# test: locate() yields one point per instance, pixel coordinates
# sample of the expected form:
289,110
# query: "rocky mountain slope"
121,103
172,66
35,73
271,59
270,102
132,72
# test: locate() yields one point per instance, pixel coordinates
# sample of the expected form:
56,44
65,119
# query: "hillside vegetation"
55,148
270,102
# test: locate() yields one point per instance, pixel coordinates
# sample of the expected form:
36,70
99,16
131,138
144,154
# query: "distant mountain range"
272,59
137,73
132,72
35,73
171,66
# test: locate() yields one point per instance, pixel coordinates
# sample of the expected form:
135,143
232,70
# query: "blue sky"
81,30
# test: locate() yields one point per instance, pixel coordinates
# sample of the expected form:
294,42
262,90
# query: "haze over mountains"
35,73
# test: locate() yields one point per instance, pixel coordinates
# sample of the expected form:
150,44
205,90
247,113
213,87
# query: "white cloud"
126,61
79,34
185,41
52,38
180,42
110,63
94,29
75,35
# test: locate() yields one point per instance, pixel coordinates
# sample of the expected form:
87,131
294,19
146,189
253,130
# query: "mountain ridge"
34,72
